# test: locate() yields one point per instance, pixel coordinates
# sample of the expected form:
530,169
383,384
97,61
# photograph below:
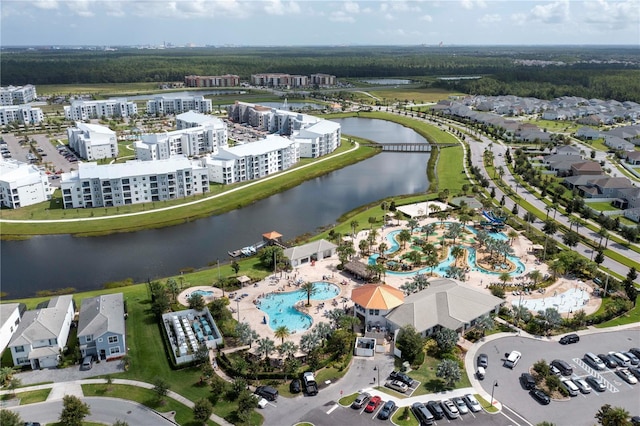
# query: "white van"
512,359
570,387
622,359
480,373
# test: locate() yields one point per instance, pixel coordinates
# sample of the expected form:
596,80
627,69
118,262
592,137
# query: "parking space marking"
332,409
596,374
516,414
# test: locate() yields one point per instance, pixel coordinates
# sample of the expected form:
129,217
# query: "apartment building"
318,139
85,110
133,182
16,95
93,141
189,142
22,184
227,80
252,160
323,80
195,119
23,114
279,80
162,105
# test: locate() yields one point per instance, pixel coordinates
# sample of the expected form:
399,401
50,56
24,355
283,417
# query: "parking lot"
578,410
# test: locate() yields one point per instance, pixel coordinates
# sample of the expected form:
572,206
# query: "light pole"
378,370
495,385
238,308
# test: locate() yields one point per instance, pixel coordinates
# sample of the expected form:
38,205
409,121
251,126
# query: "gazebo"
243,279
358,269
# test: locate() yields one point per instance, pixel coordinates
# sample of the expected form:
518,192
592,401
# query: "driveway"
57,375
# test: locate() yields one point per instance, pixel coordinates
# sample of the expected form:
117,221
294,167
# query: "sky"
318,22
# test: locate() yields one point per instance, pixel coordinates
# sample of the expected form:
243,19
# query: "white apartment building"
189,142
42,334
23,114
176,105
16,95
22,184
133,182
10,316
316,136
252,160
195,119
227,80
85,110
93,141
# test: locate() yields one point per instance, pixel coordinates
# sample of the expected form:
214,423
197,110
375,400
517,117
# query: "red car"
374,402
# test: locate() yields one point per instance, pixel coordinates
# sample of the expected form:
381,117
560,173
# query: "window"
89,338
19,349
114,350
113,339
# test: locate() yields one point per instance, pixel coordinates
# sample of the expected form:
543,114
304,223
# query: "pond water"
387,81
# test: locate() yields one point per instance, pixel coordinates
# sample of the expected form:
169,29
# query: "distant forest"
605,72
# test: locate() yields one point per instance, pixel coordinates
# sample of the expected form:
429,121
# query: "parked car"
634,360
360,400
87,363
621,359
554,370
397,385
596,383
540,396
387,410
594,361
480,373
460,405
424,416
582,385
373,404
563,366
625,375
436,409
472,403
295,386
397,375
483,360
527,381
569,338
450,409
267,392
635,371
512,359
570,387
608,360
635,351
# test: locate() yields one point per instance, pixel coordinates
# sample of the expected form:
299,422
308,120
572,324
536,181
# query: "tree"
404,236
449,370
161,388
282,332
246,404
484,323
235,266
505,278
120,423
73,411
612,416
571,238
446,339
354,225
196,302
266,346
535,276
409,342
310,289
529,218
173,289
269,255
10,418
599,258
550,227
457,252
202,410
245,333
550,318
6,374
309,342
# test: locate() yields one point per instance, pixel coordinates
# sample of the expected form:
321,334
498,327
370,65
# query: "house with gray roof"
633,158
616,143
587,133
606,187
42,334
633,214
630,197
568,150
444,304
10,316
313,251
580,180
101,327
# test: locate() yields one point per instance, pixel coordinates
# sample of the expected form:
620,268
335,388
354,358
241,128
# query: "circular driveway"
579,410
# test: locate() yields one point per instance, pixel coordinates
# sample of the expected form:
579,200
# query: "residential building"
570,150
629,198
633,214
587,133
93,141
22,184
444,304
227,80
606,187
372,302
191,141
586,168
162,105
42,334
23,114
617,143
80,110
10,316
318,139
279,80
323,79
310,252
252,160
133,182
16,95
101,327
195,119
633,158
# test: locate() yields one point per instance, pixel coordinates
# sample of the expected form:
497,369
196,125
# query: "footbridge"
409,147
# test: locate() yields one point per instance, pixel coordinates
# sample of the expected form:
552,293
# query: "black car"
569,338
596,384
540,396
635,351
563,366
267,392
424,416
483,360
608,360
527,381
387,410
397,375
635,371
436,409
294,386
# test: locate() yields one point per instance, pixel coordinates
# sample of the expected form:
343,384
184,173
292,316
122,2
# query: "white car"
397,385
582,385
626,375
472,403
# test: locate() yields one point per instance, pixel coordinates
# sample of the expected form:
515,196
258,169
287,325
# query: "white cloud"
81,8
277,7
46,4
519,18
613,15
389,17
351,7
340,16
426,18
551,13
470,4
488,19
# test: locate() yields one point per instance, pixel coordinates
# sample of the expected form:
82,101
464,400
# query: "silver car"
582,385
472,403
461,405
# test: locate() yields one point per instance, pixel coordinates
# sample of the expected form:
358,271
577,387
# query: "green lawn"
633,316
556,126
486,405
409,421
602,206
450,170
348,400
429,382
28,397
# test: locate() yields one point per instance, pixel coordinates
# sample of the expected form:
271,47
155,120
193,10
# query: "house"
444,304
629,197
587,133
606,187
616,143
568,150
310,252
10,316
579,180
586,168
590,120
633,214
373,301
42,334
101,327
633,158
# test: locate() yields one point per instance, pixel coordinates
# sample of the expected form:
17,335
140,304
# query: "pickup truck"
310,385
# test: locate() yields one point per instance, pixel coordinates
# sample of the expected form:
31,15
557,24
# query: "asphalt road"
579,410
103,410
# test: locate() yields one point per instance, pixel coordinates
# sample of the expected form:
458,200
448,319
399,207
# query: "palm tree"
455,230
414,257
434,209
550,227
266,346
535,276
412,224
484,323
529,218
382,247
287,349
505,277
408,287
363,245
512,234
442,216
404,236
310,289
282,332
428,229
309,342
354,225
457,252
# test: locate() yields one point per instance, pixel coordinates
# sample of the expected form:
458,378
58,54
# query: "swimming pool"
569,301
279,307
203,293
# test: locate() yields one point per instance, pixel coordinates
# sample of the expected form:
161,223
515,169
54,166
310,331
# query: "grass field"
556,126
29,397
99,89
416,96
601,206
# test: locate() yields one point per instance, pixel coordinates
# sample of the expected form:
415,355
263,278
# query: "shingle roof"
41,324
102,314
306,250
377,296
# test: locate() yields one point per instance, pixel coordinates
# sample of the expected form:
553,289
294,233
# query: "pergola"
243,279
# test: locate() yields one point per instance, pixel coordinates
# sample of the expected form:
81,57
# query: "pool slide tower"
492,219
